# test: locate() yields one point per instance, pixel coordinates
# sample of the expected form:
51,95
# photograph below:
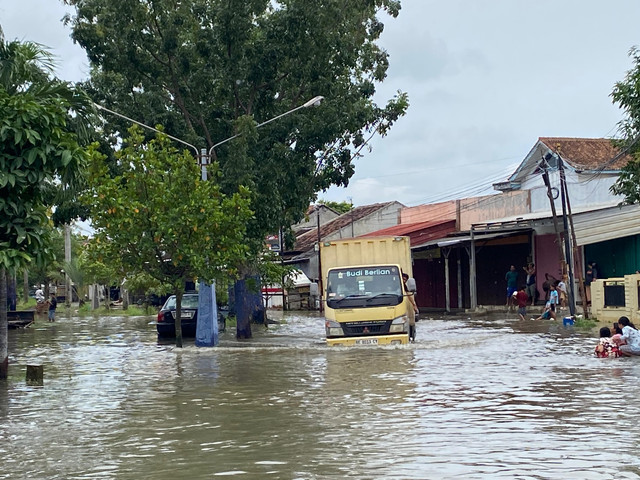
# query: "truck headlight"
334,329
399,325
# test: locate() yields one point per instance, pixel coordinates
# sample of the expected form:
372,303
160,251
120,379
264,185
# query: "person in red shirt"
522,298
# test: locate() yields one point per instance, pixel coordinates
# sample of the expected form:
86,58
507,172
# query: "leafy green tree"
207,70
340,207
36,146
626,94
158,217
50,268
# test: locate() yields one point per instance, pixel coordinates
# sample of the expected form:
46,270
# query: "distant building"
358,221
316,214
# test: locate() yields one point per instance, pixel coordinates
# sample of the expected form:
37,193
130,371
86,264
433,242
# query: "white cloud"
485,80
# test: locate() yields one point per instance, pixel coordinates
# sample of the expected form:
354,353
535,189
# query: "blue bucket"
568,321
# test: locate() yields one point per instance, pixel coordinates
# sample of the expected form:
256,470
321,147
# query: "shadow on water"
481,397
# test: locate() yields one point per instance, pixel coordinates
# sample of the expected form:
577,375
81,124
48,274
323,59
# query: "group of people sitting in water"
624,340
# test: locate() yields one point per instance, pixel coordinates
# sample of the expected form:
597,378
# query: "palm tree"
37,148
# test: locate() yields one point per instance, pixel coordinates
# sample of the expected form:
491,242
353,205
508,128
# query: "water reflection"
473,398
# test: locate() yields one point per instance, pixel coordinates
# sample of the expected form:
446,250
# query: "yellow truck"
365,302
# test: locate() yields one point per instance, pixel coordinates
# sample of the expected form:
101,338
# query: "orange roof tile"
587,153
308,239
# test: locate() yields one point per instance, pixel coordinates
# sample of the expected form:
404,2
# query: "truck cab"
365,303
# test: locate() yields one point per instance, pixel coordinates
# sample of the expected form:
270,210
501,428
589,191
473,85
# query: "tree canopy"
626,94
37,148
158,217
340,207
208,69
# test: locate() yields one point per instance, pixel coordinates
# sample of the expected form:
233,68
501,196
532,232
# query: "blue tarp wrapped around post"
248,305
207,321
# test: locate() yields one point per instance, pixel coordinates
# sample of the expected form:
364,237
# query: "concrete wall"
491,207
428,213
326,215
547,260
607,314
383,218
585,191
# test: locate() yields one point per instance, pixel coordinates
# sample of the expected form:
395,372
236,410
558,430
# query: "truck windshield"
364,287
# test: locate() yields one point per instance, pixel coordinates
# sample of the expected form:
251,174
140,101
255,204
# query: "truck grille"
366,328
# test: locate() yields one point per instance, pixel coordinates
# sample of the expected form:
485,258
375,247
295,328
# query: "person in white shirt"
631,336
40,294
562,291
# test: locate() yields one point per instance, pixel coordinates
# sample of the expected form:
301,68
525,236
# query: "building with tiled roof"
594,154
358,221
591,166
317,213
418,233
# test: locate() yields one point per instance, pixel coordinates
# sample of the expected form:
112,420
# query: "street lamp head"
314,102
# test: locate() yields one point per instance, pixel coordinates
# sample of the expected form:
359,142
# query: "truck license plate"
367,341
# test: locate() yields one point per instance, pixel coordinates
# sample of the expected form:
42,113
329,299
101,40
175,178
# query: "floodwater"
487,398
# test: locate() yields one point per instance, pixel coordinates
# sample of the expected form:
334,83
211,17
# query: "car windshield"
188,301
364,282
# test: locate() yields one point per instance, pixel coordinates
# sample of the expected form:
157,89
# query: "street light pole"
314,102
100,107
204,158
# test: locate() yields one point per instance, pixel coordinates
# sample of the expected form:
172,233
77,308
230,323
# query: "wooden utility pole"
545,178
567,243
577,259
447,294
473,294
320,282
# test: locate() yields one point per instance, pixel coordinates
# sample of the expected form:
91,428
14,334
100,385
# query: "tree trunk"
124,293
178,318
25,286
4,327
95,297
68,295
248,306
12,297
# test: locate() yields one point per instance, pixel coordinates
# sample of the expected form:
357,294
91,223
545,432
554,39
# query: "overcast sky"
485,79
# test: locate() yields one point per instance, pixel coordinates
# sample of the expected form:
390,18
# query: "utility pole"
320,292
545,178
567,246
447,294
473,294
576,252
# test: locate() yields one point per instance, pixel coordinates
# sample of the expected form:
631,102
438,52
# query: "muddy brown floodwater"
486,398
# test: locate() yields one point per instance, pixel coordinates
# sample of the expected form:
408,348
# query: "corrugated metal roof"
404,228
420,232
607,224
527,218
451,241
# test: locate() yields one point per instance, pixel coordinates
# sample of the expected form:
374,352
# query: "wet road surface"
489,397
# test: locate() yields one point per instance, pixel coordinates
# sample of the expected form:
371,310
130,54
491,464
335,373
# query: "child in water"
616,336
546,313
606,347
